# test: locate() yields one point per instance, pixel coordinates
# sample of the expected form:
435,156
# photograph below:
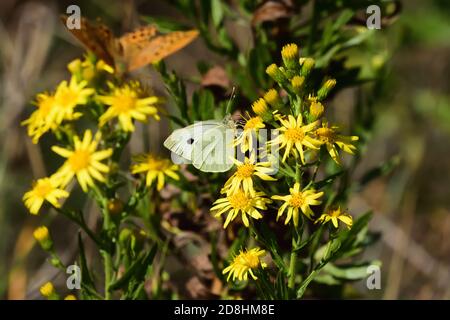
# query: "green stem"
292,267
107,257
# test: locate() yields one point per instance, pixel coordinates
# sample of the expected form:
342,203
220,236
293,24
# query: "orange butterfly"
132,50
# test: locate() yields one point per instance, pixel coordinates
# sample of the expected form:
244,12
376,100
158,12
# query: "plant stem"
107,256
292,268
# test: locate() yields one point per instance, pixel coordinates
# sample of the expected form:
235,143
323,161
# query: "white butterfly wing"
181,141
214,151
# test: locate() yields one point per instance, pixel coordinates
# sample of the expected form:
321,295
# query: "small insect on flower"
155,169
45,189
248,137
330,137
294,135
243,177
84,161
244,264
334,215
240,202
298,200
67,97
126,104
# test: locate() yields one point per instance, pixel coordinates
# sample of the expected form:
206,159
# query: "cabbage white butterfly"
208,145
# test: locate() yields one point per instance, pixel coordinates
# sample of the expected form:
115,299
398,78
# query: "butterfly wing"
181,141
214,151
96,38
158,48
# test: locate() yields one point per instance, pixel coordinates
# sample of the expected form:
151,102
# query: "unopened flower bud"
272,98
307,66
42,236
326,88
275,73
297,83
316,110
289,53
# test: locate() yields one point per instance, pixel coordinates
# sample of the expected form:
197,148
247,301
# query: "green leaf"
165,25
351,272
328,180
217,12
85,275
137,270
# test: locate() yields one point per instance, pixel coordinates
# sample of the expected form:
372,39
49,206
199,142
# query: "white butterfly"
208,145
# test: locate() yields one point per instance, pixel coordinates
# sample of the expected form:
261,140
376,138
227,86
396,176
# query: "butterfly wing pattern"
133,50
208,145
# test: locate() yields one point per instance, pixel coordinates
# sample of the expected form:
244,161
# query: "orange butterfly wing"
96,38
159,47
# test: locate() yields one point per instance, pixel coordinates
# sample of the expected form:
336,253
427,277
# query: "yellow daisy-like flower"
45,189
84,161
298,200
294,136
67,97
247,139
240,202
334,215
38,123
155,169
330,137
243,177
47,289
125,104
244,264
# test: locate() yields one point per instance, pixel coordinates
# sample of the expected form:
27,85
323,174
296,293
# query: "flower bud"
307,66
74,66
289,53
275,73
70,297
48,291
260,107
297,83
272,98
42,236
115,206
316,110
326,88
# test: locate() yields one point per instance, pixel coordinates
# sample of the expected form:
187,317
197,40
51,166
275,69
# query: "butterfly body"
208,145
133,50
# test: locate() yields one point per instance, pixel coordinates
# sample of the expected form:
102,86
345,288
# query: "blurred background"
411,202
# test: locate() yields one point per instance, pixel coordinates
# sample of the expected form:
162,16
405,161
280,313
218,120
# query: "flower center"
297,200
45,105
251,261
253,123
80,160
68,98
43,188
239,200
335,213
156,165
245,170
295,134
125,103
326,134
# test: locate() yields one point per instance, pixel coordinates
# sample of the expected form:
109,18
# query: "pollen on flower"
295,134
297,200
245,171
239,200
79,160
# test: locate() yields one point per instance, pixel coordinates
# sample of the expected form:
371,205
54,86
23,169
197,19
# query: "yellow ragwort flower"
244,264
248,137
84,161
330,137
294,135
272,98
243,177
334,215
45,189
41,234
298,200
70,297
260,107
240,202
67,97
155,169
47,289
125,104
39,121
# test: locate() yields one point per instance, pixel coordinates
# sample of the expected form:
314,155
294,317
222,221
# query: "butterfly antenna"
232,96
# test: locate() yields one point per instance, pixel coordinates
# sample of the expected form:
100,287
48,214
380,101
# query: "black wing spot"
190,141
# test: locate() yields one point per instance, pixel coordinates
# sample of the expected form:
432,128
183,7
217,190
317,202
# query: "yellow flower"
125,104
272,98
243,177
42,236
67,97
275,73
70,297
330,137
334,216
240,202
247,139
84,161
38,123
155,168
316,109
260,107
297,83
244,264
289,53
45,189
47,290
298,200
294,135
88,69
